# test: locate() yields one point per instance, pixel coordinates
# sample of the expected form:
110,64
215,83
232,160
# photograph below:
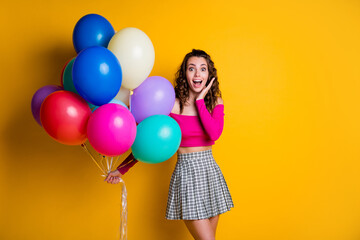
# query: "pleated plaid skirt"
197,188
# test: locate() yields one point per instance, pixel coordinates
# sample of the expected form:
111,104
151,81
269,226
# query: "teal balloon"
157,139
67,78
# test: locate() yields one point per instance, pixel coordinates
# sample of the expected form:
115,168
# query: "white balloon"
136,55
123,95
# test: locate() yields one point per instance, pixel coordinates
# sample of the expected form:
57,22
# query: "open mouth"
197,83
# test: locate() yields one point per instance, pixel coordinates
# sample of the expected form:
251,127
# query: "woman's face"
197,73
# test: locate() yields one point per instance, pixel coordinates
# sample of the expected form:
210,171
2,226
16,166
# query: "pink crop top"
202,130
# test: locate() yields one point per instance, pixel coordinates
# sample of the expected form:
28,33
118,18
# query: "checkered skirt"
197,188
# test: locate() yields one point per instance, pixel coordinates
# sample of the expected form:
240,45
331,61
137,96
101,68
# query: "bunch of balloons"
110,73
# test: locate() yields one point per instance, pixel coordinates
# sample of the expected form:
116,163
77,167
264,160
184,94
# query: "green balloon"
157,139
67,77
92,106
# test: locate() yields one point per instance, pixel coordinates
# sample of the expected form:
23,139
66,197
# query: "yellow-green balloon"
136,54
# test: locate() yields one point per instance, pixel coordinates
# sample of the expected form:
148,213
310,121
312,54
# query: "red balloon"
64,116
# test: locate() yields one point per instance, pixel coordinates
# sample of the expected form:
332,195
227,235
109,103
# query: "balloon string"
111,163
116,163
123,212
86,150
107,163
103,163
131,93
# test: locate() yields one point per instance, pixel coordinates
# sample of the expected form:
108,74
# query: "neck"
192,97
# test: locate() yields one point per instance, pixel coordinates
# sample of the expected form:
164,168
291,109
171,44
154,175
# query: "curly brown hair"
182,86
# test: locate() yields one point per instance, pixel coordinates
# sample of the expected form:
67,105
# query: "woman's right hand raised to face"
205,90
113,177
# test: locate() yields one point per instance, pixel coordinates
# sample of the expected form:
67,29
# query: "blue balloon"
157,139
68,81
97,75
92,30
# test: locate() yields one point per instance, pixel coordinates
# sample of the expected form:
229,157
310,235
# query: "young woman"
198,193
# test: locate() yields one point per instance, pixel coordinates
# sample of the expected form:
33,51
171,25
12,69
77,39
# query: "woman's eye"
191,69
203,69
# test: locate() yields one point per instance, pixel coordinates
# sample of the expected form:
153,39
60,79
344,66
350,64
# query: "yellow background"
289,73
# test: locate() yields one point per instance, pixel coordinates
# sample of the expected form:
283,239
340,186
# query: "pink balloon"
111,129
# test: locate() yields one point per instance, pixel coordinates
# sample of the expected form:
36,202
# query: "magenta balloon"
154,96
111,129
39,97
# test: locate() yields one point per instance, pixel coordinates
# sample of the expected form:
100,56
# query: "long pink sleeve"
128,163
213,123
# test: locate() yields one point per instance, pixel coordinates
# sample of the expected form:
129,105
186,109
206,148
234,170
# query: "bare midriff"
193,149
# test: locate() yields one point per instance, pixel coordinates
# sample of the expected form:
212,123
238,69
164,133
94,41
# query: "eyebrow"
195,65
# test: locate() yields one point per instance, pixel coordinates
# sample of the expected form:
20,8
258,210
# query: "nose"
197,73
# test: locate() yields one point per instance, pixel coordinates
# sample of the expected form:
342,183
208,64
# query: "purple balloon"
39,97
154,96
